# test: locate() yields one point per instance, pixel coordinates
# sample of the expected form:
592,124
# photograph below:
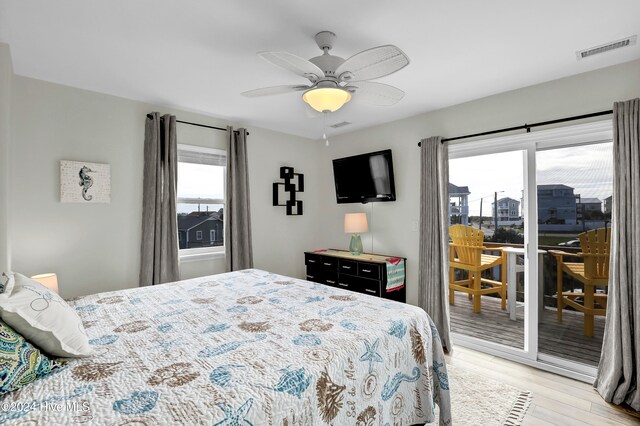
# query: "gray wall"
95,247
6,74
394,226
279,241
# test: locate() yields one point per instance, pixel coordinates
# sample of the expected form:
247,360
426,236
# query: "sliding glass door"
575,185
543,203
486,193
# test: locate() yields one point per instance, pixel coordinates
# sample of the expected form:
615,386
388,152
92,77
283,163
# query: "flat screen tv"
364,178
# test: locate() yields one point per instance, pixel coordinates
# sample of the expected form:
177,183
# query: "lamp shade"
355,223
49,280
326,98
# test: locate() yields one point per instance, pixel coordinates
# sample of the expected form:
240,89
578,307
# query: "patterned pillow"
4,281
43,318
20,362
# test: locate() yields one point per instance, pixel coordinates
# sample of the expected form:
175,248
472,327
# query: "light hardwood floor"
556,400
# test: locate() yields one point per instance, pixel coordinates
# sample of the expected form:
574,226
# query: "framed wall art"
84,182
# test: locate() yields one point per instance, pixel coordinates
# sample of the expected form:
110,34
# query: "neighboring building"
458,204
589,209
200,229
556,204
508,209
589,205
607,204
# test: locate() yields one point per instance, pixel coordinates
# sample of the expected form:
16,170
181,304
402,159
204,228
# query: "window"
200,192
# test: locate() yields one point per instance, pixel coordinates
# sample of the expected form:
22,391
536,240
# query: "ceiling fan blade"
372,63
293,63
375,93
274,90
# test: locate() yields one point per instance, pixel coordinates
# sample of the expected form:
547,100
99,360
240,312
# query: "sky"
199,181
588,169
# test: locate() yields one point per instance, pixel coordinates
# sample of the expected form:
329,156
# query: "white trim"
199,235
481,344
201,250
579,368
531,258
198,254
579,134
545,363
195,148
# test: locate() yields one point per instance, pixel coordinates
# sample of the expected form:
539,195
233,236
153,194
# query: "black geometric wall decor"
293,183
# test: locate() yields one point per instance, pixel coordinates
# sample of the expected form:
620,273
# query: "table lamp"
355,223
49,280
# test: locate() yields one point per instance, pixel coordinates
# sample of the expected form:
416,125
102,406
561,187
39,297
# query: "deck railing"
549,273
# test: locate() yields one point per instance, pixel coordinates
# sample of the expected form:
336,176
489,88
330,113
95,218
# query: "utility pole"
480,213
495,212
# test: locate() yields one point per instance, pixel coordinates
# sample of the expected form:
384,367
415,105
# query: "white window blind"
200,157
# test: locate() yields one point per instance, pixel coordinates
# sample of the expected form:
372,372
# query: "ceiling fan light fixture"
326,98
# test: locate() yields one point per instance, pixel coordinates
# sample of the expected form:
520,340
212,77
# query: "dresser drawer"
329,264
369,270
348,267
370,287
347,282
331,279
312,259
313,275
359,284
343,283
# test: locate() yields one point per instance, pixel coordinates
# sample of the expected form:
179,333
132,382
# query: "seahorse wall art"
84,182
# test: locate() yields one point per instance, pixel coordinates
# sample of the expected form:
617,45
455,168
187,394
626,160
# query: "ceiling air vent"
629,41
341,124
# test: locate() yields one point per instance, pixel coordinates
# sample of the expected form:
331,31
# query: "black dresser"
366,273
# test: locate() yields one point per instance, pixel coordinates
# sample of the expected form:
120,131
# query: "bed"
244,348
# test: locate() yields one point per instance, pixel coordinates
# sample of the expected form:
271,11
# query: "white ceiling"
199,55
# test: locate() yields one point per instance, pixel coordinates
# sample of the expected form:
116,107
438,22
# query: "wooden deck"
561,339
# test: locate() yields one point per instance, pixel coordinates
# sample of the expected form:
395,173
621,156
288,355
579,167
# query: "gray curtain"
618,375
433,262
237,216
159,248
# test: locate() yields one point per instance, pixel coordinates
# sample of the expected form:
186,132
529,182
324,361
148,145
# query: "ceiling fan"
334,80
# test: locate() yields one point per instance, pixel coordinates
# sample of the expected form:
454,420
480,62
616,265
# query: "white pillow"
43,318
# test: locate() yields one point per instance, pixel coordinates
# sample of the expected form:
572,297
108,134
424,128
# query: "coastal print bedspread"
244,348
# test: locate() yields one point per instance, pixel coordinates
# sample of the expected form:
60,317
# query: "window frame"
209,252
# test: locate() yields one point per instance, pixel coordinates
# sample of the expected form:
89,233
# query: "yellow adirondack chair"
466,253
592,272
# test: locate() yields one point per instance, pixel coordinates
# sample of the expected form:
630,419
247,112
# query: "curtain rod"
199,125
528,127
